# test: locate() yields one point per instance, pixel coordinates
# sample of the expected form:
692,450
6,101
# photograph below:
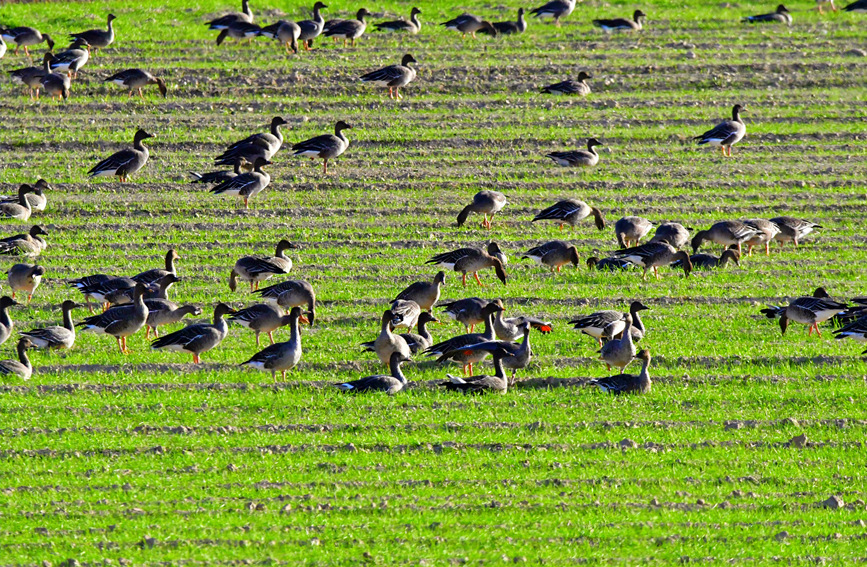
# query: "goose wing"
451,258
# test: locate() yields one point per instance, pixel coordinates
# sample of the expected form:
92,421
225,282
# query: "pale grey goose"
485,202
31,244
125,162
726,133
387,343
289,294
393,76
197,338
767,231
286,32
25,278
280,356
417,342
509,328
672,232
405,313
425,294
630,230
56,337
6,323
793,229
619,352
30,77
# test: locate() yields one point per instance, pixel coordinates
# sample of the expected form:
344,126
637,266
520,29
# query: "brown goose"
767,231
569,87
137,79
627,383
425,294
164,312
672,232
630,230
54,84
56,337
554,254
6,323
393,76
19,210
724,233
30,77
470,261
387,343
21,367
417,342
792,229
653,255
578,158
122,321
262,318
349,29
509,328
198,338
405,313
25,37
26,278
289,294
255,269
468,312
710,262
484,202
31,244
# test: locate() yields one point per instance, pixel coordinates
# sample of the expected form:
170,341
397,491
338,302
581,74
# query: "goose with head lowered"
30,77
24,36
485,202
137,79
280,356
672,232
766,232
630,230
471,261
571,212
724,233
197,338
807,310
125,162
554,254
793,229
468,312
25,278
164,312
653,255
289,294
711,262
325,147
468,23
555,9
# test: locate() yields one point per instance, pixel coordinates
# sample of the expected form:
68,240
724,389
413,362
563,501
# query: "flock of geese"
141,301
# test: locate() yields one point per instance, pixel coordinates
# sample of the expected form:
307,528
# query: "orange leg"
140,94
464,279
816,326
270,336
283,372
478,281
325,167
196,359
13,294
147,332
561,226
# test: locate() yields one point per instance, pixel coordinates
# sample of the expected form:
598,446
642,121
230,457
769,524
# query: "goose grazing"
509,28
198,338
571,212
30,77
766,231
727,133
264,145
856,330
498,383
310,29
135,80
125,162
394,76
470,24
25,37
619,352
218,177
413,25
512,355
54,84
621,24
122,321
21,367
405,313
627,383
97,39
577,158
156,274
485,202
858,7
607,264
263,318
555,9
255,269
724,233
471,261
19,210
569,87
630,230
451,348
71,60
223,22
239,31
653,255
781,15
468,312
289,294
56,337
25,278
386,342
325,147
349,29
100,287
164,312
280,356
808,311
554,254
246,185
6,323
509,328
672,232
388,383
610,324
417,342
425,294
31,244
792,229
711,262
287,33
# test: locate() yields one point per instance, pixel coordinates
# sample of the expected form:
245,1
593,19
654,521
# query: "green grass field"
147,459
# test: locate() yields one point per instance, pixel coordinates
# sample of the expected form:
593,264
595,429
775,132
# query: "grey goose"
56,337
280,356
471,261
780,15
240,31
220,176
468,23
156,290
101,287
135,80
724,233
325,147
31,244
71,60
577,158
413,25
6,323
485,202
289,294
609,324
571,212
509,328
555,9
263,318
766,232
388,383
514,356
285,32
417,342
30,77
154,275
20,209
22,368
97,38
554,254
393,76
264,145
622,24
25,278
630,230
619,352
255,269
121,321
672,232
468,312
349,29
710,262
807,310
509,28
569,87
793,229
25,37
451,348
404,313
246,185
54,84
498,383
125,162
388,343
221,23
627,383
163,312
197,338
727,133
653,255
425,294
310,29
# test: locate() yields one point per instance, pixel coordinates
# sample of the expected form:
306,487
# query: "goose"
607,264
25,278
630,230
325,147
220,176
246,185
156,290
509,28
349,29
710,262
451,348
468,312
485,202
287,33
240,31
37,199
121,321
513,356
30,77
87,282
54,84
289,294
310,29
781,15
470,261
468,23
262,318
6,323
405,313
608,324
198,338
425,294
125,162
653,255
100,287
554,254
727,133
164,312
724,233
280,356
255,269
388,383
223,22
509,328
156,274
498,383
809,311
413,25
621,24
31,244
577,158
627,383
19,210
856,330
766,231
417,342
135,80
55,337
859,7
571,212
25,37
387,343
792,229
569,87
672,232
97,39
619,352
264,145
555,9
71,60
22,367
394,76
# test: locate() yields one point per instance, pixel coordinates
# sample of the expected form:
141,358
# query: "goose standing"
25,278
125,162
246,185
555,9
724,233
56,337
198,338
263,318
19,210
30,77
325,147
630,230
280,356
286,32
510,28
135,80
155,290
627,383
780,15
349,29
223,22
470,24
766,231
25,37
54,84
264,145
390,384
156,274
451,348
485,202
512,355
808,311
577,158
425,294
569,87
619,352
554,254
98,39
122,321
413,25
22,367
71,60
240,31
255,269
672,232
6,323
727,133
653,255
310,29
405,313
468,312
820,2
417,342
289,294
610,324
100,287
621,24
394,76
387,343
164,312
471,261
792,229
509,328
571,212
